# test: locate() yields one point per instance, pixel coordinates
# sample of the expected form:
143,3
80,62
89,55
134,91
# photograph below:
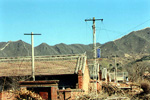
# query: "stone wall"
70,94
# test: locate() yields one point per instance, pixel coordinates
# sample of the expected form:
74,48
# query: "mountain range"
136,42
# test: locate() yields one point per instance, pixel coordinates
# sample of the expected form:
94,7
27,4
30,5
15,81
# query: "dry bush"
145,85
137,66
145,95
12,83
136,71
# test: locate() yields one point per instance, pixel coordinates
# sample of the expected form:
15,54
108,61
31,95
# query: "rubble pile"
111,89
26,93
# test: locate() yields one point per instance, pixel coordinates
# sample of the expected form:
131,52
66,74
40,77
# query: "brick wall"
0,95
92,86
99,86
86,79
53,93
7,96
80,79
76,93
65,94
61,95
70,94
44,95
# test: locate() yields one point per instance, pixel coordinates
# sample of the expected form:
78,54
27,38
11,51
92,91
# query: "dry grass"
102,96
41,68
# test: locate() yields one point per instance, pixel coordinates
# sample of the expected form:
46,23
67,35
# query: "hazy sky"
62,21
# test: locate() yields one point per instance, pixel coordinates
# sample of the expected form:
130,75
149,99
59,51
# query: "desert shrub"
145,85
136,71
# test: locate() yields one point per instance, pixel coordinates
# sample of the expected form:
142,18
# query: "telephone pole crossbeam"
32,43
93,19
31,34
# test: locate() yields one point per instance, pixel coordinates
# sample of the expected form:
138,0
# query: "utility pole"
115,69
94,50
32,44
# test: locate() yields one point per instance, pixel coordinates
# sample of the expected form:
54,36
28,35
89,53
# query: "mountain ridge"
136,42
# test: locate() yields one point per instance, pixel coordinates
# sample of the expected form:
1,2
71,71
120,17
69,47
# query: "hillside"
20,48
136,42
17,48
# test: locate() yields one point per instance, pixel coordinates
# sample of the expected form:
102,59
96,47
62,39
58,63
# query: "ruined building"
56,77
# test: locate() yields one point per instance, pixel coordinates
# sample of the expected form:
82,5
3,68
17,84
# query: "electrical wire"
131,29
88,28
121,33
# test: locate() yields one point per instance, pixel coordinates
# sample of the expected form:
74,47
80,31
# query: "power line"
134,27
123,33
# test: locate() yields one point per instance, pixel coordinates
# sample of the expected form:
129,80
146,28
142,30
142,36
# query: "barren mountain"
136,42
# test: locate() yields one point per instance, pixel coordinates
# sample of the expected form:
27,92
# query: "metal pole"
32,41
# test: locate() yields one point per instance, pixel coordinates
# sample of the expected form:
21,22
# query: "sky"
63,21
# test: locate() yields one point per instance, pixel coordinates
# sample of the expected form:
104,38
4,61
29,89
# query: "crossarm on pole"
32,34
93,19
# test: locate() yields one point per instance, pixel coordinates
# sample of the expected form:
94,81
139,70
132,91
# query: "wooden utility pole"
94,42
32,44
94,50
115,70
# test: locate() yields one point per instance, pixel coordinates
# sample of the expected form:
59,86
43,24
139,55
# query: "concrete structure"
58,76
